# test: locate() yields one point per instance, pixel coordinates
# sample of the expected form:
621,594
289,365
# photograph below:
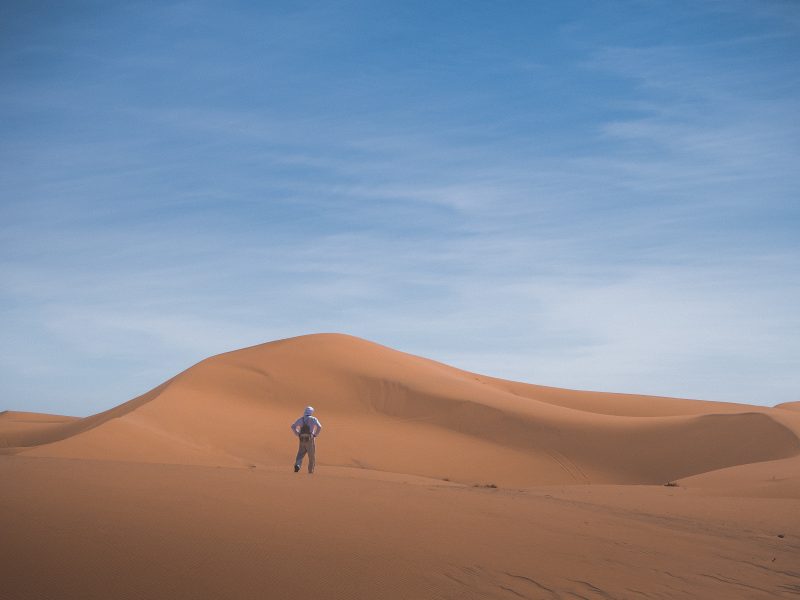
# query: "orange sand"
187,491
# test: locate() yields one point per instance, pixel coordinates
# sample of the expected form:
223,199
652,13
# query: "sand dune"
391,411
18,429
772,479
187,490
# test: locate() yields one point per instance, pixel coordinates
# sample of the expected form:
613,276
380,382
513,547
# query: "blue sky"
596,195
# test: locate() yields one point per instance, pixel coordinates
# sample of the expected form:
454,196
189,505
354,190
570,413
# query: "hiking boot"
296,468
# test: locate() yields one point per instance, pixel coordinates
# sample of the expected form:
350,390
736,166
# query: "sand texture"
432,482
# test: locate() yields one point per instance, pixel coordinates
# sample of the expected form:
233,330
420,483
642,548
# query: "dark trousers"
306,447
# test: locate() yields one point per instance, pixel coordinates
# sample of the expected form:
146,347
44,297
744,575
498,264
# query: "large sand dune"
187,491
390,411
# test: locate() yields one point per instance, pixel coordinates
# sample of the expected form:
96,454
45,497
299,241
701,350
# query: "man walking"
306,428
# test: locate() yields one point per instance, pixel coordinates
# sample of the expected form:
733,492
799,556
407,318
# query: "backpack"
304,428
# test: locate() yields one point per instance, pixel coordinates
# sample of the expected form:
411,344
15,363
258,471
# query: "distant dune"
20,429
431,482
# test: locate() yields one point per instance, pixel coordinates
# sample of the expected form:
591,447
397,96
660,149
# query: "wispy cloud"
643,239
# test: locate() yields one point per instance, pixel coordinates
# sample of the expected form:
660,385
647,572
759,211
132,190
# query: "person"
306,428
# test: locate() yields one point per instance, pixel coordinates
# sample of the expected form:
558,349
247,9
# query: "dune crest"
390,411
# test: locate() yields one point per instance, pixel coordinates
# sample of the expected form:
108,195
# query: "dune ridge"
391,411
